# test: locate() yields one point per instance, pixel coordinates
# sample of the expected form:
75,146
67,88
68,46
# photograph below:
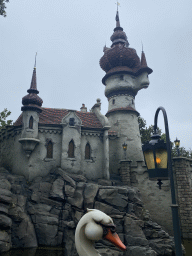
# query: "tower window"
121,77
71,149
113,101
31,123
71,121
50,149
87,151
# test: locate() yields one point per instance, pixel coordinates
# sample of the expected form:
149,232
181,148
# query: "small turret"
31,108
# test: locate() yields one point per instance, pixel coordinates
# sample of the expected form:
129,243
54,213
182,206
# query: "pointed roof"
33,87
32,101
120,58
143,59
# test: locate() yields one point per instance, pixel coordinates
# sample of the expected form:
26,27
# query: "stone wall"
46,211
183,171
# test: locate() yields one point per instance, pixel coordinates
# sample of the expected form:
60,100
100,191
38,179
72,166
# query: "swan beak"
114,239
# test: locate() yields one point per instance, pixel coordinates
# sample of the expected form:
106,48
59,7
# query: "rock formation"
45,212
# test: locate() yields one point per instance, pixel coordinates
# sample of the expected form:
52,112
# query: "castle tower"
31,108
125,75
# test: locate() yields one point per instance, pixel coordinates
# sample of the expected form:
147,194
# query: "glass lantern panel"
149,158
161,158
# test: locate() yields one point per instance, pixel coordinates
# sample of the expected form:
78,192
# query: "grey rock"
46,234
104,182
45,188
69,241
66,177
5,184
139,251
134,196
132,241
69,191
106,208
5,241
133,228
25,234
57,189
46,219
112,197
38,208
90,193
107,252
5,196
77,199
3,170
3,208
69,224
5,222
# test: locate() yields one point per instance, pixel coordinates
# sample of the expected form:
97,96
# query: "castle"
90,143
82,142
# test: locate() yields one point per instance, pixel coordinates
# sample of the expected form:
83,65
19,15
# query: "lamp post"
177,144
124,145
156,157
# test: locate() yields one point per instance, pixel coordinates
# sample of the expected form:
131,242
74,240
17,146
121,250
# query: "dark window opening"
71,121
121,77
31,123
71,149
113,101
87,151
132,102
50,149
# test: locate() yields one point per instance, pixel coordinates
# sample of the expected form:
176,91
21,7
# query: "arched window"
50,149
87,151
71,149
31,123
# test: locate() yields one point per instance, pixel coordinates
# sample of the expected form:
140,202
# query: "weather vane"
118,4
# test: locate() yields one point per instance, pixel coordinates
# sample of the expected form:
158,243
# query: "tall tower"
125,75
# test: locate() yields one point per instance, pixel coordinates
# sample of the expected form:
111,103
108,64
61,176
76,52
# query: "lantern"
155,153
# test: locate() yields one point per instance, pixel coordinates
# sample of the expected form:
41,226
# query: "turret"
31,108
125,75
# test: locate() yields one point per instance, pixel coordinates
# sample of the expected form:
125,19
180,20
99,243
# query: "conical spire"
117,20
32,101
143,59
33,87
119,35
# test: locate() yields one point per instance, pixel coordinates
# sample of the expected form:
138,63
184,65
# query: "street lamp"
124,145
177,144
157,154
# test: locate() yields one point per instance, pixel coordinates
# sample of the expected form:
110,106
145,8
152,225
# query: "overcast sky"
69,37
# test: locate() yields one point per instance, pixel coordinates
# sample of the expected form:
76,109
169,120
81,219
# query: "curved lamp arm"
174,206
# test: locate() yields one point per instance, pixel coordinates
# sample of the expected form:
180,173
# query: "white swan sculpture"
93,226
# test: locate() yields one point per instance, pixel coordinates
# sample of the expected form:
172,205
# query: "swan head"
96,225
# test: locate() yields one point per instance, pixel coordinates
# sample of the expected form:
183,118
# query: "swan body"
93,226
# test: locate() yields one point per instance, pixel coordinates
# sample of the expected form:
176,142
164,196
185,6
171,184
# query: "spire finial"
35,60
118,4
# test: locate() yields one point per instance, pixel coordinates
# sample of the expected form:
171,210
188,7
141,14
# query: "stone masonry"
182,171
45,212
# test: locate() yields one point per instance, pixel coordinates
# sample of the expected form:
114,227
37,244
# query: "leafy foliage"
3,7
146,133
3,116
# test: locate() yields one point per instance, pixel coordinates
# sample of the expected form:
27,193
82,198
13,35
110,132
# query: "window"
71,149
87,151
49,149
31,123
71,121
113,101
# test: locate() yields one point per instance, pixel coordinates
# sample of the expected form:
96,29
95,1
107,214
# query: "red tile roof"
55,116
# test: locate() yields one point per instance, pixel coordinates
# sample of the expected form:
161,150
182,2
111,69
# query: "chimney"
83,108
